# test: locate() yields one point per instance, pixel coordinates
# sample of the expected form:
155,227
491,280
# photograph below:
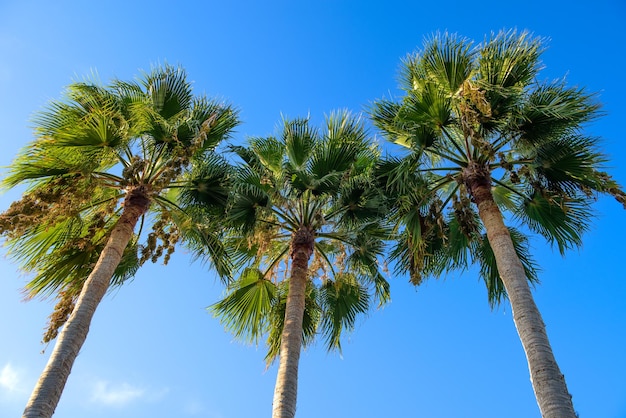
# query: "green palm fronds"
481,107
305,178
92,149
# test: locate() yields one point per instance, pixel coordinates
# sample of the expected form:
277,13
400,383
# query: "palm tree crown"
478,116
95,152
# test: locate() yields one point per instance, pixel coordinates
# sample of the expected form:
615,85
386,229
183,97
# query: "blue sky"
436,351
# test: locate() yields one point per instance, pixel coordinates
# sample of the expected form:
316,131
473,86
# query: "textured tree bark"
286,389
548,383
47,392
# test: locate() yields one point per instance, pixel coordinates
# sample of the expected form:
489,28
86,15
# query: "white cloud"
115,395
14,388
9,378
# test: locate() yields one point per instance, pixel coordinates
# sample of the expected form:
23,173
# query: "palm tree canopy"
320,182
94,150
475,115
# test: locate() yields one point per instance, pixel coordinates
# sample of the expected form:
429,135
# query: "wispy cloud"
9,378
116,394
14,387
121,394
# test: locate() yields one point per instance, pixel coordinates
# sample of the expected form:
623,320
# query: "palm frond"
64,254
169,90
430,108
299,139
270,152
551,110
560,219
506,194
446,59
509,59
344,127
245,309
383,114
341,300
568,164
206,242
210,123
208,183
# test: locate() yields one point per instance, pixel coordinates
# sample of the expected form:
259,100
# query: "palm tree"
307,234
487,139
105,158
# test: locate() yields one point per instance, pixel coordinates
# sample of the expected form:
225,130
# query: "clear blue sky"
434,352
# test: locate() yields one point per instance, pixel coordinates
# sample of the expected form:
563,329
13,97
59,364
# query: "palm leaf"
341,300
208,183
299,139
560,219
509,59
245,309
568,164
169,90
552,110
270,152
211,122
445,60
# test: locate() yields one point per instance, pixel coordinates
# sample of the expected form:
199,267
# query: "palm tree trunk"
548,383
286,389
47,392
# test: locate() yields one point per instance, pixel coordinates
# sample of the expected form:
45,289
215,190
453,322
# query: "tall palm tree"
307,233
104,158
486,139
